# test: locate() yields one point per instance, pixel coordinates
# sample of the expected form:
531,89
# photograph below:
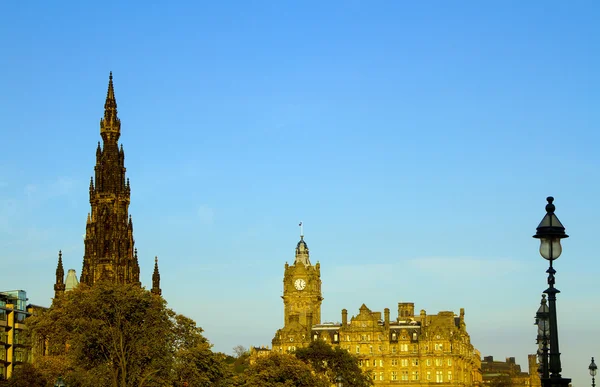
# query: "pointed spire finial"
156,279
59,285
110,125
301,230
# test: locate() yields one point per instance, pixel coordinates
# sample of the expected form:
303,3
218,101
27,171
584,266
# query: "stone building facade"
509,374
415,349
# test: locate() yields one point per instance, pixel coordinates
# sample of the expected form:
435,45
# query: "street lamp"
541,320
338,381
60,382
593,369
550,231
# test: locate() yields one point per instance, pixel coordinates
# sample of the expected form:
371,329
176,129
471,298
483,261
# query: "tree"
333,362
278,370
25,376
110,334
194,362
239,351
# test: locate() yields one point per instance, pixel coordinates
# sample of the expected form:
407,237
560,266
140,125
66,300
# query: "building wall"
14,349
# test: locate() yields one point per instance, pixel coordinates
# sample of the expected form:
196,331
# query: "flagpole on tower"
301,230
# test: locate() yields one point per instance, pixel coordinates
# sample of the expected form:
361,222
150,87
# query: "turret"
155,278
59,286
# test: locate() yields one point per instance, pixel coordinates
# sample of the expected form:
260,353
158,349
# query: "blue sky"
417,141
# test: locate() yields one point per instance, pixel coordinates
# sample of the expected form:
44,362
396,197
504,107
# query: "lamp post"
60,382
541,320
593,369
338,381
550,231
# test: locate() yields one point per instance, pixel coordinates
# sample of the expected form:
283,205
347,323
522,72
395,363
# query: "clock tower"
301,299
302,289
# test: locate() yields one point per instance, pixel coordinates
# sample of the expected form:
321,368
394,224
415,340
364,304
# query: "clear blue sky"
417,141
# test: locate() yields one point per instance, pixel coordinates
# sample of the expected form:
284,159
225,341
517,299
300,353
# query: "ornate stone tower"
109,245
302,289
301,299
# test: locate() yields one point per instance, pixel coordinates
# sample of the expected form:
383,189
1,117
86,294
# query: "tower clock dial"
300,284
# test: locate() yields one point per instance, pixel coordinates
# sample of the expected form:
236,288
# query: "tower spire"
110,125
109,248
59,286
156,279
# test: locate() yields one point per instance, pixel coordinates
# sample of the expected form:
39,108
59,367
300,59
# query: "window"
381,376
428,362
370,349
394,375
449,362
335,337
404,362
360,363
393,349
415,375
428,375
415,362
394,362
449,375
367,363
394,336
439,377
404,375
414,335
381,363
347,337
380,348
358,349
404,347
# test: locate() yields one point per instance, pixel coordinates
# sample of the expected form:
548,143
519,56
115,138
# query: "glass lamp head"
550,231
593,368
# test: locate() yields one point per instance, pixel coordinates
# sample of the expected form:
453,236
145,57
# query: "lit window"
449,375
428,375
428,362
370,349
439,377
358,349
381,376
404,375
394,362
394,375
404,347
393,349
449,362
415,362
367,363
415,375
404,362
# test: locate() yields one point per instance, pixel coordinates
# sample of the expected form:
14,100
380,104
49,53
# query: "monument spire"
109,244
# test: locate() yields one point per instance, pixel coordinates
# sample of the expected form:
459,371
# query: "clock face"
300,284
